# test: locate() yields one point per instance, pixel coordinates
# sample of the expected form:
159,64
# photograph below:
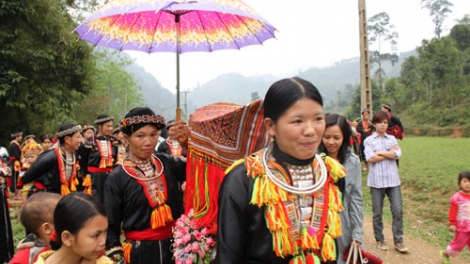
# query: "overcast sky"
310,33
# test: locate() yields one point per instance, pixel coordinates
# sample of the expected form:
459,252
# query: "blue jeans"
396,207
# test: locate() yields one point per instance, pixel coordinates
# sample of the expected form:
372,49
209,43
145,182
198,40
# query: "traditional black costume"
54,171
14,162
97,159
142,199
6,237
127,201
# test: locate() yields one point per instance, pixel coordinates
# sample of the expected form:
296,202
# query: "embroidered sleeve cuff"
116,254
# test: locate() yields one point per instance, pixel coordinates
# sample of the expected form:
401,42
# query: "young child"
37,216
80,232
31,152
459,219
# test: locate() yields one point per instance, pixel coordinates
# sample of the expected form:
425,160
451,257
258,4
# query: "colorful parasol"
175,26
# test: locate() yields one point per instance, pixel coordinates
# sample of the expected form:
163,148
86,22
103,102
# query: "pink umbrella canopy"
175,26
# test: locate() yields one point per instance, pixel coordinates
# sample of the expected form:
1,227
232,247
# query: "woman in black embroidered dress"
98,156
141,195
280,205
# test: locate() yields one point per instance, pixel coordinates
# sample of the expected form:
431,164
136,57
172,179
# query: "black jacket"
126,202
247,222
46,171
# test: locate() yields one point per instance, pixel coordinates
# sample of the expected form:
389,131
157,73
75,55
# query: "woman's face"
172,132
89,242
143,141
299,130
72,143
88,134
333,139
106,129
46,144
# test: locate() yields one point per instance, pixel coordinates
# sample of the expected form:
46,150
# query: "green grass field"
428,169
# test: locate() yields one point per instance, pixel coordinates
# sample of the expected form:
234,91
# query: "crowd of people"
113,194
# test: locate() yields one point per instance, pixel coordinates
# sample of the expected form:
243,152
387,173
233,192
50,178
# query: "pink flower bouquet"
191,243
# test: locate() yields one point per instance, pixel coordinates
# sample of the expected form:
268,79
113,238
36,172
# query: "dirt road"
421,252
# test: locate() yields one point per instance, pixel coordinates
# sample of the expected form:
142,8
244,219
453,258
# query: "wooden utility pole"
366,88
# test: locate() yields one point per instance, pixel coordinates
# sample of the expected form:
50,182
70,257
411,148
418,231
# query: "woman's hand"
358,244
182,133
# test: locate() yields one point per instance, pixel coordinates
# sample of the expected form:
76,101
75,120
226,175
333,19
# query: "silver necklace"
156,173
63,157
292,189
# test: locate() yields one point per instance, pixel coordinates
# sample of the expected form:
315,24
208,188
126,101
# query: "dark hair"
72,212
43,137
342,122
380,116
464,174
63,128
38,209
284,93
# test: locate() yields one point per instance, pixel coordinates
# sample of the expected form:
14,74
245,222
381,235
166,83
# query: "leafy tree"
43,70
114,92
438,10
410,79
461,36
465,20
440,66
354,109
381,31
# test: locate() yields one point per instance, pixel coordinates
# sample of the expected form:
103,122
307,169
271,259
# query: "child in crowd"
80,232
31,153
459,219
37,216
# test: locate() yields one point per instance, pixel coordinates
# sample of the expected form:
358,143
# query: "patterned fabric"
143,119
225,132
221,133
149,26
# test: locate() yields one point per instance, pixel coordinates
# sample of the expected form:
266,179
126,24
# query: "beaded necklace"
68,181
106,153
174,146
154,187
294,189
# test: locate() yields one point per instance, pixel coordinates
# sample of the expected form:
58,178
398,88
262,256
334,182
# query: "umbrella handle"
178,114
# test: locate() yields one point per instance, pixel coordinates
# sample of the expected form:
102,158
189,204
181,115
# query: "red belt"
96,169
161,233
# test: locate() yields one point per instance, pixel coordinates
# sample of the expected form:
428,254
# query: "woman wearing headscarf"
55,170
141,194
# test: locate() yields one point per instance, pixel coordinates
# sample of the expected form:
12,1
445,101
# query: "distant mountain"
156,97
230,87
236,88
